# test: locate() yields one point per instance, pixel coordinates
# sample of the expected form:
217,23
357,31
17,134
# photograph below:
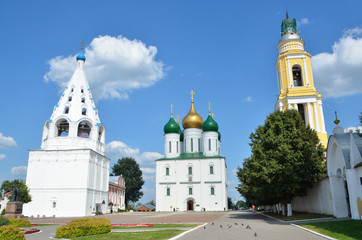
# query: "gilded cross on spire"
81,45
178,119
209,108
336,121
171,110
192,96
212,115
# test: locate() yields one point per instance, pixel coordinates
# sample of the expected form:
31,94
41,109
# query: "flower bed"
132,225
33,230
84,227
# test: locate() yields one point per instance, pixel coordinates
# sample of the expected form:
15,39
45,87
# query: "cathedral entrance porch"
190,205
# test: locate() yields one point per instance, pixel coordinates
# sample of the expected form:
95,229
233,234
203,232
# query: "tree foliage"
132,174
286,160
8,186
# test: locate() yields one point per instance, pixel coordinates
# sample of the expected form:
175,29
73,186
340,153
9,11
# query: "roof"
149,206
196,155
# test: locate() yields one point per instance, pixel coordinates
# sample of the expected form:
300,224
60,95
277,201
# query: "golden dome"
192,119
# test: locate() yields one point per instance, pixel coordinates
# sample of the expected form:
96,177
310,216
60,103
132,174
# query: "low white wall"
317,200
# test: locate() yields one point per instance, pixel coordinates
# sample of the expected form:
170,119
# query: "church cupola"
192,124
210,135
172,137
75,123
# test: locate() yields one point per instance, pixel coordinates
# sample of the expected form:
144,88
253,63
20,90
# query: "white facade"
192,175
69,175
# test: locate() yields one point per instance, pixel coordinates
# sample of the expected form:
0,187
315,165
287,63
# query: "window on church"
169,146
66,110
168,192
301,111
177,146
72,90
212,191
192,144
63,128
82,90
199,143
190,171
84,111
297,76
190,191
84,130
211,169
69,98
209,144
83,100
167,171
215,144
54,204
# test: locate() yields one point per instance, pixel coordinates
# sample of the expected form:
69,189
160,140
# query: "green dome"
181,135
210,125
171,126
219,136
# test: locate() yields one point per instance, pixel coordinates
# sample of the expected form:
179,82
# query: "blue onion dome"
219,136
81,56
171,126
210,125
181,135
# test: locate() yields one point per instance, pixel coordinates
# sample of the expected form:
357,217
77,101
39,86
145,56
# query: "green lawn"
160,226
297,216
156,235
344,230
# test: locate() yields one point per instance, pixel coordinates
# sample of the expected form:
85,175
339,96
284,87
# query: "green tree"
230,203
132,174
286,160
152,202
8,186
360,121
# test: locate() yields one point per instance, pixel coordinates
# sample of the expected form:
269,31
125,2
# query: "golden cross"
212,115
81,45
178,119
192,95
209,108
171,110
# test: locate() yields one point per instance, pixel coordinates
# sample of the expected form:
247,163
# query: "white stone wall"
201,181
76,180
317,200
355,189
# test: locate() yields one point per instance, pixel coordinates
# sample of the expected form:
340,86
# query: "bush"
4,221
11,233
84,227
3,212
19,222
99,213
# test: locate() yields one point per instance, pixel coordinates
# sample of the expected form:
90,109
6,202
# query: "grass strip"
157,235
297,216
344,230
160,226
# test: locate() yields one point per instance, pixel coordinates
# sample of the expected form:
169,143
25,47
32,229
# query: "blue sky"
144,55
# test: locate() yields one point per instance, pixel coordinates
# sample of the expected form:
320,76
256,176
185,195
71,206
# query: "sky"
143,56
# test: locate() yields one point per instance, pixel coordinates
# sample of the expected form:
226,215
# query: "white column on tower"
322,115
316,118
295,106
305,72
289,74
289,106
310,119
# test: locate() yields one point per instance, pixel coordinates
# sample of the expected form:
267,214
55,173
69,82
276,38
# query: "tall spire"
209,108
171,110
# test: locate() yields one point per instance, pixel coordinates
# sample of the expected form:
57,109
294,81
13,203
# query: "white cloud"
303,21
7,142
115,66
148,178
20,171
148,170
148,190
118,149
248,99
230,182
2,156
339,73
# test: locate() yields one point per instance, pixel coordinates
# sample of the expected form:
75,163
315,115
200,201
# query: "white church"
192,174
69,175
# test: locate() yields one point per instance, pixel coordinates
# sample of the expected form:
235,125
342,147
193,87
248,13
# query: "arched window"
72,89
211,169
169,146
168,192
66,110
84,130
212,191
190,191
69,98
301,111
63,128
192,144
209,144
84,111
190,170
177,146
199,143
167,171
83,100
297,76
82,90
